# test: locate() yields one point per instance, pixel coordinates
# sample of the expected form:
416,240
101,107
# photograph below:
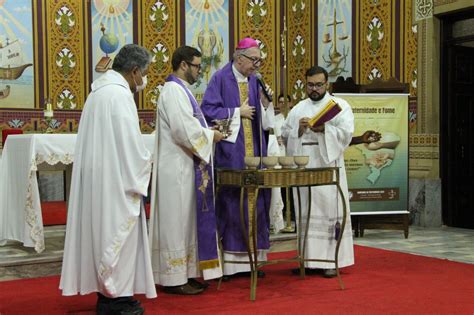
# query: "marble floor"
454,244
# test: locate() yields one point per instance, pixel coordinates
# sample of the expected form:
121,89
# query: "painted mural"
207,29
63,42
16,54
112,27
335,37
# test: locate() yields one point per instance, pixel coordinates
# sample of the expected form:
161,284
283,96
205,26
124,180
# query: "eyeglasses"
255,60
194,65
313,86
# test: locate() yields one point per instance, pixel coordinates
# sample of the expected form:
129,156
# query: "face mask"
142,86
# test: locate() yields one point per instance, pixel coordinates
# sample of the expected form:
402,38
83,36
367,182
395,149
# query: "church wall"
66,48
384,35
388,38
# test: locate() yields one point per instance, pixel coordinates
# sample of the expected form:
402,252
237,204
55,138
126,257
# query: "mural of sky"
207,29
112,27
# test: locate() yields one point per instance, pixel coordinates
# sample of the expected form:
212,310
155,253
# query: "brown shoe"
329,273
185,289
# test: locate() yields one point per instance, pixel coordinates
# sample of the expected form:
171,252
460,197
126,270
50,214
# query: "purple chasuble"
206,215
219,101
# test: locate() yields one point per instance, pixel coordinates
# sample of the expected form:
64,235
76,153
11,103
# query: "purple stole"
206,215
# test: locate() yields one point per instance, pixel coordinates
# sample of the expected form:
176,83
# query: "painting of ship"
11,61
5,92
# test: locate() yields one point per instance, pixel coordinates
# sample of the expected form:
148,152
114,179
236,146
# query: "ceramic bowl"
286,161
301,161
270,161
252,162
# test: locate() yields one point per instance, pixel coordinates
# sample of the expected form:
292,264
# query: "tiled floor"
447,243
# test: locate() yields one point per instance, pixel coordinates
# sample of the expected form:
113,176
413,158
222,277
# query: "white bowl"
270,161
286,161
301,161
252,162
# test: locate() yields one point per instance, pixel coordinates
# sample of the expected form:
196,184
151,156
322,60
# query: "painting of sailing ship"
11,61
16,54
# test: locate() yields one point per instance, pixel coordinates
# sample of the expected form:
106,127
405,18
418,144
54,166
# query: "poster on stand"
377,172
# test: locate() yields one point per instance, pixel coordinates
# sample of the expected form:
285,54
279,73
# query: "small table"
251,181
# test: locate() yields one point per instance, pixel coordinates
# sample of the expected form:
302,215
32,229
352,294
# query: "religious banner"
377,172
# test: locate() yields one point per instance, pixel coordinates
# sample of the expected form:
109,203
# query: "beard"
189,77
315,96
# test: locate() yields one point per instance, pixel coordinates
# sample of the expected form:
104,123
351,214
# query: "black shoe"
116,308
260,274
198,285
185,289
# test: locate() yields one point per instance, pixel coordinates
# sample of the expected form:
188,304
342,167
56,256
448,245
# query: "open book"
330,110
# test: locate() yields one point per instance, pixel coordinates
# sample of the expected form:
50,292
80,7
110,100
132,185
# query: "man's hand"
247,111
371,136
303,125
218,136
265,101
318,128
281,141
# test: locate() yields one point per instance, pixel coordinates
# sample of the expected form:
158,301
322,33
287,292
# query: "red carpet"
380,282
54,212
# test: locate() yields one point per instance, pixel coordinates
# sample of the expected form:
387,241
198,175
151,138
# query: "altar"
20,204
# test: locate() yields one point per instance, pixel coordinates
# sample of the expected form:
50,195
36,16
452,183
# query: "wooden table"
251,181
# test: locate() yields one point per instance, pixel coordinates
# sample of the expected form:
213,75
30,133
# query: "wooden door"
458,138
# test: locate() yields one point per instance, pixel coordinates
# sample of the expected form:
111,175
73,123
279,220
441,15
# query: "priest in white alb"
183,232
325,145
106,248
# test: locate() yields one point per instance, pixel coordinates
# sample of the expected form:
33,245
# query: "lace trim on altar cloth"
53,159
36,232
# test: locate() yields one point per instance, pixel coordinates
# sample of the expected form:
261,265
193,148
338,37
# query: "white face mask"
142,86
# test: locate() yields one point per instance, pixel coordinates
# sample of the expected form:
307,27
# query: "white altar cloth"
20,205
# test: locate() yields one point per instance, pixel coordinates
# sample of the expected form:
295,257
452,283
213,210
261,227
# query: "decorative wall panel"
408,63
67,43
375,40
158,32
409,44
257,19
300,42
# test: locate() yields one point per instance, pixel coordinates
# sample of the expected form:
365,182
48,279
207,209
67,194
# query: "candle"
49,107
48,113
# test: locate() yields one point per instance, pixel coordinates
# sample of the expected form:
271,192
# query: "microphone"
262,84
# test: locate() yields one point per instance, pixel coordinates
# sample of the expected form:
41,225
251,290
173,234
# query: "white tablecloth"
20,205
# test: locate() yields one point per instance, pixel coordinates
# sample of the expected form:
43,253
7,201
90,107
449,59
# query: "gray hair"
131,56
239,52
